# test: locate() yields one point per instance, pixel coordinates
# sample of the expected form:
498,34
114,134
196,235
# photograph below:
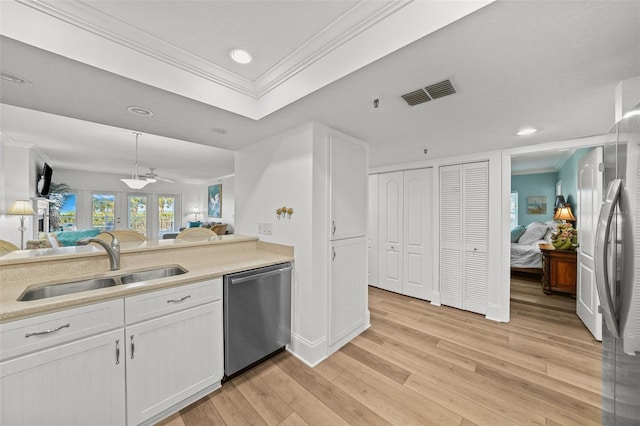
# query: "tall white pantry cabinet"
401,226
348,221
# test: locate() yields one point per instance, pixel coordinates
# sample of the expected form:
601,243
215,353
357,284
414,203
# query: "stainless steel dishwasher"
257,315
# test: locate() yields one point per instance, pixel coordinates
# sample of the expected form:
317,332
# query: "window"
514,209
63,210
102,211
167,213
137,213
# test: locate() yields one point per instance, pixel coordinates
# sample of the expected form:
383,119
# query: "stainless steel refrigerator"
618,275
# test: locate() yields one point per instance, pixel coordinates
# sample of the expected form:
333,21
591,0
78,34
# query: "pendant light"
135,182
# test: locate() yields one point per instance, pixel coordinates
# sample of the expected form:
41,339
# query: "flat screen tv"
44,180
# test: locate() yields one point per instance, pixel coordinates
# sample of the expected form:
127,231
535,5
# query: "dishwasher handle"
264,274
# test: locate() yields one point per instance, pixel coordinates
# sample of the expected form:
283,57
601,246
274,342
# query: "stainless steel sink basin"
53,290
152,274
66,288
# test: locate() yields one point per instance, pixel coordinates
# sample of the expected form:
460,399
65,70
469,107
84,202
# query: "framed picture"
215,201
537,204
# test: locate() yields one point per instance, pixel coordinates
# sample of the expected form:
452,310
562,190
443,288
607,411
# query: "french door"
119,210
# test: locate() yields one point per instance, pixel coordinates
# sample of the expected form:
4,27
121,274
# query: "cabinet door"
348,288
79,383
451,235
348,183
171,358
417,255
391,188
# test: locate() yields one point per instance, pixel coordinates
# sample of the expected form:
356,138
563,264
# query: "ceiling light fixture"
632,113
241,56
136,110
528,131
13,79
135,182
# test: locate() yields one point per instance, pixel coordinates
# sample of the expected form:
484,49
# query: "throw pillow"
516,233
195,224
535,232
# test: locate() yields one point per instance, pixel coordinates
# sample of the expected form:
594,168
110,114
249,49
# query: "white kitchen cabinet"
64,368
404,230
464,225
176,354
348,187
347,300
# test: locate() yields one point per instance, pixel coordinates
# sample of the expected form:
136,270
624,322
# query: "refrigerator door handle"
602,237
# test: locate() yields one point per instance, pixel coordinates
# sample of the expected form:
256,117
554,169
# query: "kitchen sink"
66,288
152,274
53,290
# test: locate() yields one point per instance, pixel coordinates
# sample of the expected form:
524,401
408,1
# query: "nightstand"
559,270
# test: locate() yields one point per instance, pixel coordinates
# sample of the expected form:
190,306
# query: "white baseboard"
311,353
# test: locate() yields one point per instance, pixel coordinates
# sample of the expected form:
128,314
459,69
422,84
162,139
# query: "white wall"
274,173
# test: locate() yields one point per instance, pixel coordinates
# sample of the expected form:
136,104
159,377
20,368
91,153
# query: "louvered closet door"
390,231
451,236
475,217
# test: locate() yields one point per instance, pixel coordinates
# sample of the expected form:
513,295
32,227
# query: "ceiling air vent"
434,91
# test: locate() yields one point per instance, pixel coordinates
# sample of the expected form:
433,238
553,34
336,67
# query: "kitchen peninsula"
69,352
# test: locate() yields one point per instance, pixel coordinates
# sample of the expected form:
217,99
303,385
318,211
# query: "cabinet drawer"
163,302
31,334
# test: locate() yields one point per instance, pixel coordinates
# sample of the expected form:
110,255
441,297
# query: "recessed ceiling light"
219,130
241,56
13,79
632,113
139,111
528,131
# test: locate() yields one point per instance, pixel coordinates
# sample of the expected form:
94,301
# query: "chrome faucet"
113,249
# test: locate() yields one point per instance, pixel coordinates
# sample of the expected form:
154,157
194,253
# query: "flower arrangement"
565,237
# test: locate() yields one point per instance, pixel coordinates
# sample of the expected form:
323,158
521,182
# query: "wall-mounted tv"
44,180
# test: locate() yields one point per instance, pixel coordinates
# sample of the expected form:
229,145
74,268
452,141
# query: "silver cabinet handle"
333,227
117,351
179,300
602,236
53,330
333,253
133,347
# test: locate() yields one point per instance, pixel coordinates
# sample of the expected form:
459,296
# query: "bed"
525,250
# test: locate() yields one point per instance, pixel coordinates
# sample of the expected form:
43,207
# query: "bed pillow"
516,233
535,231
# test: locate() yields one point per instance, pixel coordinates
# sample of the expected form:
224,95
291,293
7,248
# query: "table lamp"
21,208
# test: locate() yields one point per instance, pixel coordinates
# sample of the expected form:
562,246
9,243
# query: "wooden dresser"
559,270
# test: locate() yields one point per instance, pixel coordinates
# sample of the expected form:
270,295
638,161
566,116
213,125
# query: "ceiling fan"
153,177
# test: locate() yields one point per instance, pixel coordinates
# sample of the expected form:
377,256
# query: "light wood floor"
420,364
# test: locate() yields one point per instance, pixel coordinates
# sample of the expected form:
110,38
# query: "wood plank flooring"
421,364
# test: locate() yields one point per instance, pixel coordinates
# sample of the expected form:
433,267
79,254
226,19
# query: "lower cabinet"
113,363
171,358
79,383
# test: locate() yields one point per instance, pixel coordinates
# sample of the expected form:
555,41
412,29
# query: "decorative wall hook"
283,212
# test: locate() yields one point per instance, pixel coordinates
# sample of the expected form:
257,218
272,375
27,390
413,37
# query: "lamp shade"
564,213
21,208
135,183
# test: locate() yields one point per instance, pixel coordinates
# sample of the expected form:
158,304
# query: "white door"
589,201
417,255
372,235
451,259
390,216
475,230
